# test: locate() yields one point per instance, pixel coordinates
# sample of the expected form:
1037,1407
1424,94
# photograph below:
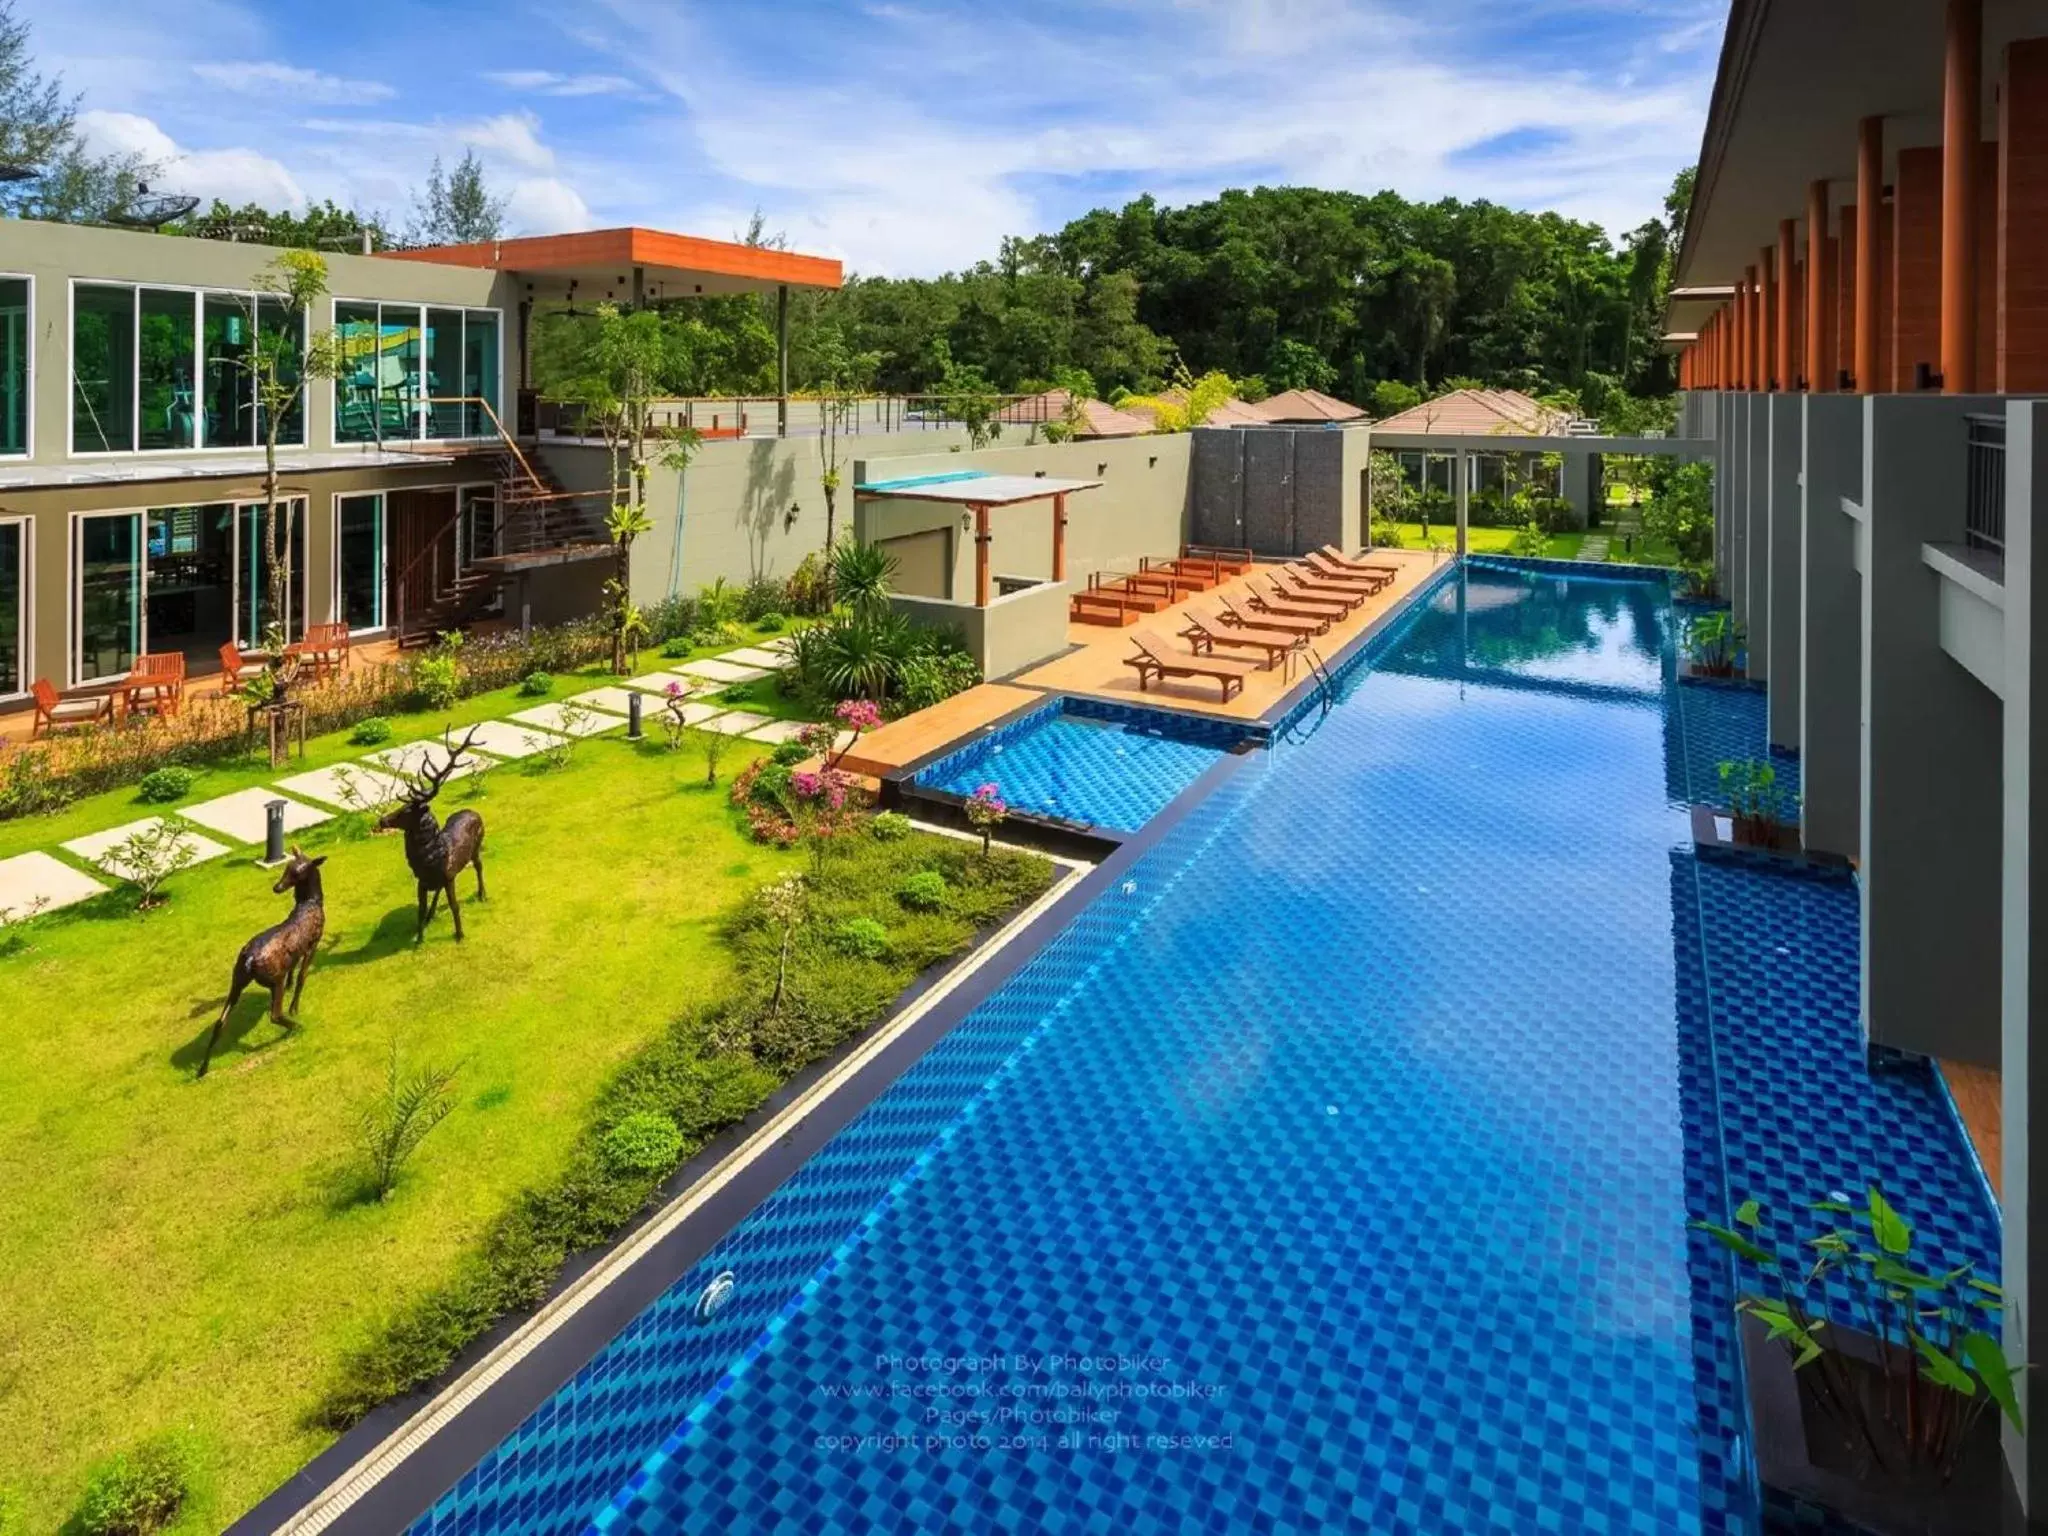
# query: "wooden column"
1870,213
1842,366
1916,267
1767,320
1987,267
1820,353
2021,299
1784,321
1795,308
1961,107
1059,536
1739,336
981,543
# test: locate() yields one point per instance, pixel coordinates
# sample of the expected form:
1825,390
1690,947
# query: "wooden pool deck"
1095,665
882,751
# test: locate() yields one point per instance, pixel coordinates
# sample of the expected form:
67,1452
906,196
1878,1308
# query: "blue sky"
903,136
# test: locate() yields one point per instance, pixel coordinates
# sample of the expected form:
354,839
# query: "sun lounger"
1273,623
1277,604
1291,585
1336,556
1317,567
1203,638
1155,661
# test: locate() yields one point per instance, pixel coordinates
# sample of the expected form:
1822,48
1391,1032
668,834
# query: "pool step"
1109,608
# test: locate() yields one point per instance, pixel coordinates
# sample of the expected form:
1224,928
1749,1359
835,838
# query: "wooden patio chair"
235,668
1291,588
155,683
1203,638
1272,623
56,713
1153,661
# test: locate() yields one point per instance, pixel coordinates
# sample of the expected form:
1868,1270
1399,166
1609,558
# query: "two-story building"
131,438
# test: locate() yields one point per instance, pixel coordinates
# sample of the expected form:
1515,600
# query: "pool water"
1329,1170
1079,761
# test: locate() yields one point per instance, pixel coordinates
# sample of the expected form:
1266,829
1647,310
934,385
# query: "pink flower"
674,690
861,714
805,784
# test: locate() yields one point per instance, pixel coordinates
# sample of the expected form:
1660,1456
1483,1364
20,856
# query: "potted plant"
1756,804
1702,583
1712,642
1894,1425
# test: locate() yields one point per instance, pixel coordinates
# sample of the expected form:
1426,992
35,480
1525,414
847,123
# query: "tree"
843,380
1678,203
1424,286
614,373
456,208
1297,365
1390,397
324,224
283,355
39,133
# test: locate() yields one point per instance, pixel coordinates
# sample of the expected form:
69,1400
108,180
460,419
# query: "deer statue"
275,953
437,853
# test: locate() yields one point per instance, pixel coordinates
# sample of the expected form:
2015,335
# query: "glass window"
14,382
191,595
283,335
479,523
102,368
356,392
359,552
398,369
165,353
252,572
230,394
480,369
444,372
13,604
109,594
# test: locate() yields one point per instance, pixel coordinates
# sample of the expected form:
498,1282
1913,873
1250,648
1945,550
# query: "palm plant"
861,655
863,575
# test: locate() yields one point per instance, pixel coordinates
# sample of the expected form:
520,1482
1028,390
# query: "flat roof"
971,488
601,263
30,477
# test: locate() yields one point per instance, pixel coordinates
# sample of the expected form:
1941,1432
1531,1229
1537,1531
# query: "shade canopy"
970,489
635,265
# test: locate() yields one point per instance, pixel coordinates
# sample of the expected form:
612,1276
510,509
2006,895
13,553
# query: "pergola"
978,493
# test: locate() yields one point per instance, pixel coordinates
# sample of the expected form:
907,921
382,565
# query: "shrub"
160,786
789,754
738,693
1528,541
732,632
889,827
536,685
393,1127
804,592
770,624
149,856
861,937
923,681
645,1142
1386,533
759,598
138,1491
678,646
437,680
668,619
373,732
925,891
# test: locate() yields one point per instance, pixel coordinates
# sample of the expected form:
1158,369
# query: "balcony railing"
1984,485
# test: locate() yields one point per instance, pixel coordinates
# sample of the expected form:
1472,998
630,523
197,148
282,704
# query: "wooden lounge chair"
56,713
1335,556
1317,568
1273,623
1154,661
1278,605
1203,638
1290,585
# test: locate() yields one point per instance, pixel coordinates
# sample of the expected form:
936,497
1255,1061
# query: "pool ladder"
1326,691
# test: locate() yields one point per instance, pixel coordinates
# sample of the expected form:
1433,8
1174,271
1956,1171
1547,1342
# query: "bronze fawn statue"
275,953
437,853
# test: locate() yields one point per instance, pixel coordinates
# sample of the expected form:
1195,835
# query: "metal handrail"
1984,484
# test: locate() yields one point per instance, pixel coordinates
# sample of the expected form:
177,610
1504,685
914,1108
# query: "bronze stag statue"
275,953
437,853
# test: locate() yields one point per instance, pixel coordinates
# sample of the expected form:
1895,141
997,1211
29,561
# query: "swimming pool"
1081,760
1329,1169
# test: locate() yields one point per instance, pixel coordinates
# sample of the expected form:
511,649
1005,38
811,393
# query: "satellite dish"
153,210
18,173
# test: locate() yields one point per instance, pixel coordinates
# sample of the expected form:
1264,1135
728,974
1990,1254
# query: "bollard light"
633,716
273,832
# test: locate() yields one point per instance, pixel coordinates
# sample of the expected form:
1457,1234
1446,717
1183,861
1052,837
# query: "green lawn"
1489,541
183,1253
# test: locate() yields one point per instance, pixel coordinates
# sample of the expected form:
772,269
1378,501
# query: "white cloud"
233,175
546,82
545,205
303,87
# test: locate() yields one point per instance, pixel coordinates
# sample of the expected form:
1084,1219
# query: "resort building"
131,463
1861,318
1478,413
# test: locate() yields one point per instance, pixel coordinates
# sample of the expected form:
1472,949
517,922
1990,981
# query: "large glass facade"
167,393
359,561
13,605
102,368
230,419
14,369
108,623
282,334
252,572
406,368
191,592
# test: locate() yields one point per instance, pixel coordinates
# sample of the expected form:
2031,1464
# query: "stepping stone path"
719,670
345,786
241,817
553,717
657,682
616,701
776,732
416,757
501,738
756,656
1594,548
36,882
103,848
695,714
738,722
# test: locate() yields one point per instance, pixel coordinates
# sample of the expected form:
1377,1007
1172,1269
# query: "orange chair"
56,713
156,683
235,669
